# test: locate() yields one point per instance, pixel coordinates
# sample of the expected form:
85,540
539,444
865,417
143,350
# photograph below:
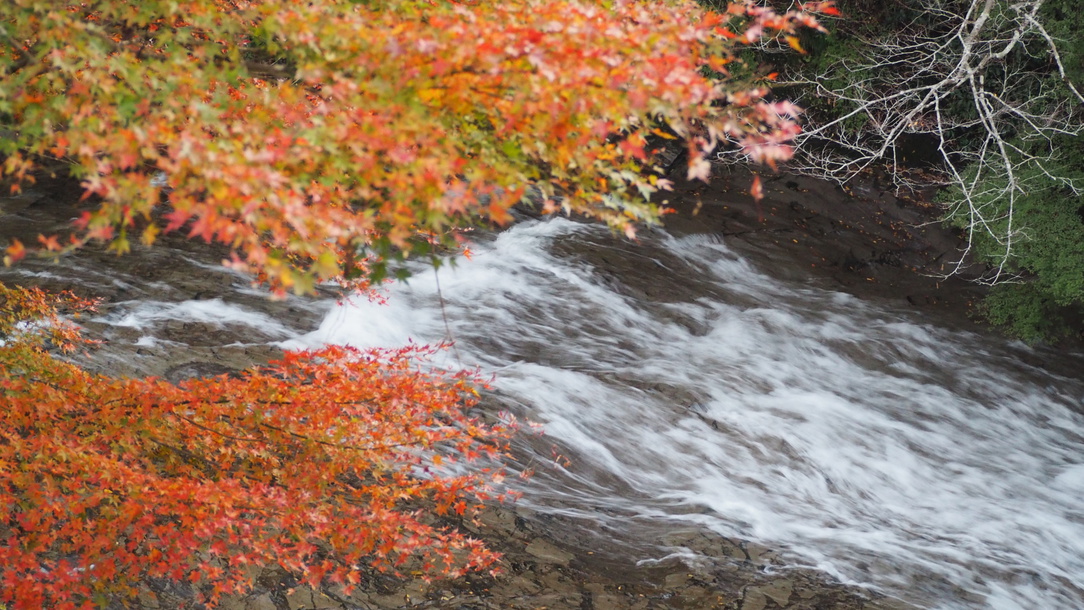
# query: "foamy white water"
926,463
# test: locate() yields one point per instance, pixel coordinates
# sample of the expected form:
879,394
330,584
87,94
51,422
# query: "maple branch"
231,420
209,468
24,60
360,448
220,433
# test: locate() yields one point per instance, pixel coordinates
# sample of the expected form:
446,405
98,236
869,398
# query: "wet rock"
524,584
606,601
396,600
759,555
753,599
499,518
416,591
195,370
307,599
255,602
547,553
778,591
864,241
644,274
676,580
17,203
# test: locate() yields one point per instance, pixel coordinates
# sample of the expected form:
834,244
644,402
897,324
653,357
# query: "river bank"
862,239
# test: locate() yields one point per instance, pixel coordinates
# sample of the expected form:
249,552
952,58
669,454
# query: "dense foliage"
1042,298
307,136
319,464
1045,300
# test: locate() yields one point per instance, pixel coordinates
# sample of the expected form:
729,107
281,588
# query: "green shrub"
1046,250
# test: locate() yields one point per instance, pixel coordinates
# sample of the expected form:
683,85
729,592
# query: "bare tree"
982,80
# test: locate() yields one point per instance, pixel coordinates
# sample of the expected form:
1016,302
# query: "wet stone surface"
861,239
539,572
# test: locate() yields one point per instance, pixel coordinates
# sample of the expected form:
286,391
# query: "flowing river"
927,463
687,387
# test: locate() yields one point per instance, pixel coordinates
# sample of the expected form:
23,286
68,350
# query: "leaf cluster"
324,464
318,138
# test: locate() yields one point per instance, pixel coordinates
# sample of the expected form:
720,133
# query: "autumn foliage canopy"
315,140
307,134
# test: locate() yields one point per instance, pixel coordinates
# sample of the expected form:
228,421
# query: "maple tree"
315,140
319,464
306,136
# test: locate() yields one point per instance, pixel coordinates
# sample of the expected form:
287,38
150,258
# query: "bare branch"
980,80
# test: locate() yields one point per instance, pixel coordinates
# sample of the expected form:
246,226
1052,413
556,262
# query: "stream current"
683,387
927,463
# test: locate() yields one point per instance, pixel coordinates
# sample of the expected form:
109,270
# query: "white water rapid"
927,463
